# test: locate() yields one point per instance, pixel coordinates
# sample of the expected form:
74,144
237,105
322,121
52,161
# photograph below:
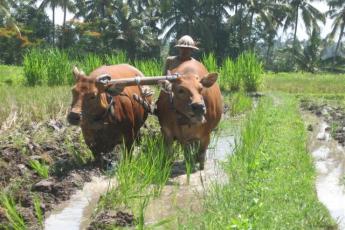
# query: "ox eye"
181,91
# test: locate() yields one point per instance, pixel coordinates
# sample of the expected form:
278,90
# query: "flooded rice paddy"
177,196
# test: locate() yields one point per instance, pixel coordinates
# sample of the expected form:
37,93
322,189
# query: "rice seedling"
250,70
149,67
91,62
190,153
38,210
40,168
12,215
229,78
58,68
140,177
240,103
114,59
210,62
35,68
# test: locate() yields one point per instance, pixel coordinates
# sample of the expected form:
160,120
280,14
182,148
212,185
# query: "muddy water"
176,197
75,213
329,158
179,197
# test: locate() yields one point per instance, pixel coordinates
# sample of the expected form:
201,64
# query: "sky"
301,32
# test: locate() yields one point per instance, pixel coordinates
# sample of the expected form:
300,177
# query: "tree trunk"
338,43
53,9
268,53
64,24
296,25
250,29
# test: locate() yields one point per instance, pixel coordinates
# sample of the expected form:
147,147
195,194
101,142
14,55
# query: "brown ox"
106,120
190,108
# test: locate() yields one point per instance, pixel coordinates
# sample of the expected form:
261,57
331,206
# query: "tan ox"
106,120
190,108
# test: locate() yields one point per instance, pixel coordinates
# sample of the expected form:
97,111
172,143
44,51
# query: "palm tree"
66,5
5,6
264,10
200,19
52,4
310,16
337,13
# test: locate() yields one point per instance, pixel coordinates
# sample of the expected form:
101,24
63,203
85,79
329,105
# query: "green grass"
33,104
11,75
38,211
250,70
139,178
40,168
240,103
305,83
271,177
15,219
229,78
210,62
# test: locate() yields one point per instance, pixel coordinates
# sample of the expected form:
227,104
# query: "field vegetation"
269,157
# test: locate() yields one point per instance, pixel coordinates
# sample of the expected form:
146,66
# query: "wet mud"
329,160
334,116
179,197
44,142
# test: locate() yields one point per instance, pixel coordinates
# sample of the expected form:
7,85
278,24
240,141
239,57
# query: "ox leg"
202,151
168,143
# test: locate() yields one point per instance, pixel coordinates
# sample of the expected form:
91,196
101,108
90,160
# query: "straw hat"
186,41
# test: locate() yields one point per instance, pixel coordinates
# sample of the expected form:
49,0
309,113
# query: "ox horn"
77,72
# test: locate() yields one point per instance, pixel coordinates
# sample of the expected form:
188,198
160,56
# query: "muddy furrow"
329,159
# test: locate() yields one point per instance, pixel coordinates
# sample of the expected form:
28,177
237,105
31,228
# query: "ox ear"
77,73
165,86
209,79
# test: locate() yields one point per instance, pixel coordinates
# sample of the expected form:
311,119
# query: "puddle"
75,213
178,197
329,159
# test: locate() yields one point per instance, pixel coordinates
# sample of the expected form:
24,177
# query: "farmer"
186,46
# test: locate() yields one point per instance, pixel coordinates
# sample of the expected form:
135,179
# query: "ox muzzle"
74,118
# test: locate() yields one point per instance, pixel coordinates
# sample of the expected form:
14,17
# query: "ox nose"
198,108
73,118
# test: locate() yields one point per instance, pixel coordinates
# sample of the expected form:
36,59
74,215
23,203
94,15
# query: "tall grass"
58,68
35,68
91,62
250,70
13,216
229,78
53,67
210,62
114,59
139,178
149,67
